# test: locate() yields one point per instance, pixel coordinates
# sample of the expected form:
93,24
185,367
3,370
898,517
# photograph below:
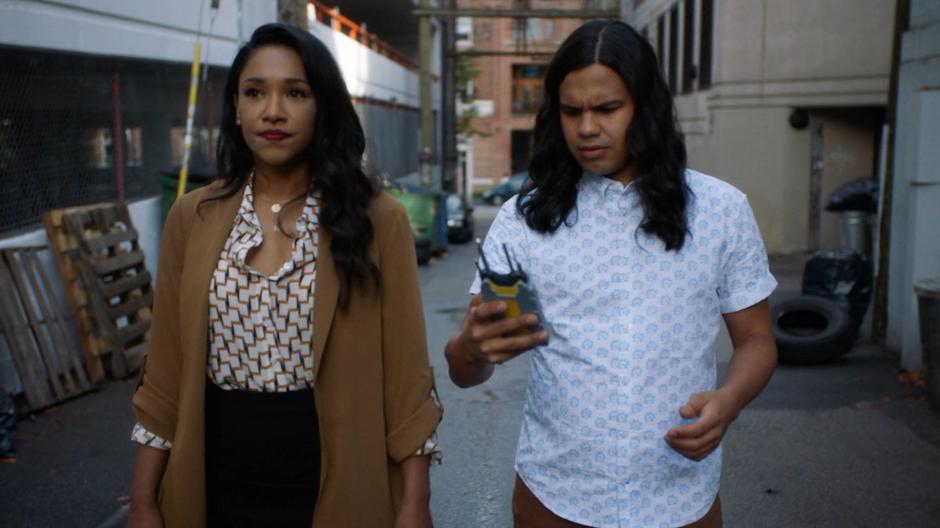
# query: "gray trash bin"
855,232
928,303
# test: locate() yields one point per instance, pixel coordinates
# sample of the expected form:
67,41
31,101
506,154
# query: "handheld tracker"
513,288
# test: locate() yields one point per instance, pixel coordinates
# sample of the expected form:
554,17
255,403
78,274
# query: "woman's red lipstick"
274,135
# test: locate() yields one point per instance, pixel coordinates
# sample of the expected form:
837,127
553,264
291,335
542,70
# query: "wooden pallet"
38,334
116,282
66,252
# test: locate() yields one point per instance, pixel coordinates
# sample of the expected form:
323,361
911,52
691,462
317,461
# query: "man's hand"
715,411
752,363
487,337
484,341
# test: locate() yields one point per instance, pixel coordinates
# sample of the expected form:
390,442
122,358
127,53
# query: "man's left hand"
715,411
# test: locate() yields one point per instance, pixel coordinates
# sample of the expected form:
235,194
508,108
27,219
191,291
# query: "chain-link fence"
57,123
57,129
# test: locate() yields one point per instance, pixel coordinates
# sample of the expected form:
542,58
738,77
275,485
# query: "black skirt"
262,458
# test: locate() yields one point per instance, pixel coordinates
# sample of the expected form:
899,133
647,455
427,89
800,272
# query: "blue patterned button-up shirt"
633,332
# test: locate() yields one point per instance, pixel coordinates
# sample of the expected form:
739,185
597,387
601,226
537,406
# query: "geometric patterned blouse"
261,327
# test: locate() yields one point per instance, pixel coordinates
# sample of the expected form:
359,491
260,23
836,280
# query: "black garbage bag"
7,424
844,276
857,195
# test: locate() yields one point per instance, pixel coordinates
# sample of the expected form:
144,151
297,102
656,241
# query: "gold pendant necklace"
275,208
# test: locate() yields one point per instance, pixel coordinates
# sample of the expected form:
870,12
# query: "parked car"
459,219
506,190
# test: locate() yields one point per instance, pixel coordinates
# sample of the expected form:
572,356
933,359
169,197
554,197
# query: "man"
634,258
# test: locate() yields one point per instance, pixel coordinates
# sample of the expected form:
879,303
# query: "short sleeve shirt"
632,335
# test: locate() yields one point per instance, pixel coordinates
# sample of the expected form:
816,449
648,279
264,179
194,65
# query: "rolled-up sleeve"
155,400
412,413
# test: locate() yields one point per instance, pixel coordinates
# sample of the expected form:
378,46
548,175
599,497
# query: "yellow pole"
190,116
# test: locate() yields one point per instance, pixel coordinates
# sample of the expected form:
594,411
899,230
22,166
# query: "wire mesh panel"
57,129
391,137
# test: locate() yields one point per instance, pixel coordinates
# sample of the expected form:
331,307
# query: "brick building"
507,88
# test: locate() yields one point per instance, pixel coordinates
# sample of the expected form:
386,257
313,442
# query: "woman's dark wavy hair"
334,156
655,144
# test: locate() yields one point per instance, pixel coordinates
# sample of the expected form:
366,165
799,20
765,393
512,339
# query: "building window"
534,30
688,45
465,29
673,47
527,87
705,45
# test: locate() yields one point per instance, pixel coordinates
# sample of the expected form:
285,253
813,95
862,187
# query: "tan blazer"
373,382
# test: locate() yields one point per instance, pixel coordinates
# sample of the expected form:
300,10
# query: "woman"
287,381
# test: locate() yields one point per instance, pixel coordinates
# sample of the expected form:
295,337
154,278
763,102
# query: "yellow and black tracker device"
513,288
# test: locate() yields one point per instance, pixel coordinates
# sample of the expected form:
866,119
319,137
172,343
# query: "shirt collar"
604,186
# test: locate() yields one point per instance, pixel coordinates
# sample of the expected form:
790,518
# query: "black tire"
811,329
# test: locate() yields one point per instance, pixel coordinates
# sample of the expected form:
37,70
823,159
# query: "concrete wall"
164,30
831,57
915,244
373,75
754,150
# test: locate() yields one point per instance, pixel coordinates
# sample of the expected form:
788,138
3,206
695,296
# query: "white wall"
159,30
371,74
915,243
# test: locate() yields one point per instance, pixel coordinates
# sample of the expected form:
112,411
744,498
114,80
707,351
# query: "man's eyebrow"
289,80
602,104
610,102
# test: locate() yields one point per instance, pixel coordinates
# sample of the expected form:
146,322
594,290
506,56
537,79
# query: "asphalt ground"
844,444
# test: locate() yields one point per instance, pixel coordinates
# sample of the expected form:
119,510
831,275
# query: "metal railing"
332,17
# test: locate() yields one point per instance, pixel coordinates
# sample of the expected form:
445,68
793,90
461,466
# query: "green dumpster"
169,182
421,210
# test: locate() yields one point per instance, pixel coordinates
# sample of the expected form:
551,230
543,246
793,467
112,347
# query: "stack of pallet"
37,331
108,289
107,283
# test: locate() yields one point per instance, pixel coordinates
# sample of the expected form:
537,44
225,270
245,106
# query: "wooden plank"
116,238
65,249
30,369
47,353
116,281
74,370
127,284
48,324
133,331
131,306
117,263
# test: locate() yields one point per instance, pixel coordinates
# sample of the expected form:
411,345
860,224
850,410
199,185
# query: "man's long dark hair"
334,156
656,149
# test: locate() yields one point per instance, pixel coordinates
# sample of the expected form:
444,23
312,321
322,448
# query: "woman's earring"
238,122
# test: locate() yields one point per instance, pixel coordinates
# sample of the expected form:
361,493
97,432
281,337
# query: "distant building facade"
507,88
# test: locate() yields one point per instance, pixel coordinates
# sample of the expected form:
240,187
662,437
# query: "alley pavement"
844,444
